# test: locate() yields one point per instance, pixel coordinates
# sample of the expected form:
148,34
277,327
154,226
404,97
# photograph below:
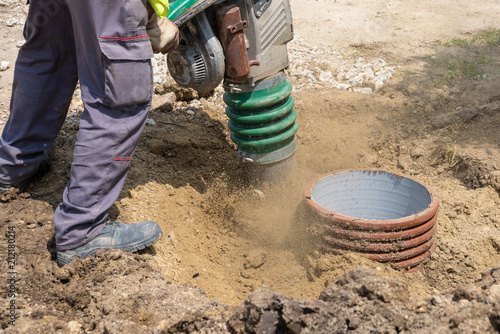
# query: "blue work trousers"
104,45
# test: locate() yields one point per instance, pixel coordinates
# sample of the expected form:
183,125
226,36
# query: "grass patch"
491,37
453,67
487,37
450,152
465,58
460,42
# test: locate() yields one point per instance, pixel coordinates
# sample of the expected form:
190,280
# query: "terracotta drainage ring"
388,217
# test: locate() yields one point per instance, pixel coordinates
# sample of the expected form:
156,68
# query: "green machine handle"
183,10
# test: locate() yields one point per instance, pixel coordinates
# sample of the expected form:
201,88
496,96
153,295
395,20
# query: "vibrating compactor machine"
242,44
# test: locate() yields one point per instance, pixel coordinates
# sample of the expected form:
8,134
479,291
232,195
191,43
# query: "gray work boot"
43,169
114,235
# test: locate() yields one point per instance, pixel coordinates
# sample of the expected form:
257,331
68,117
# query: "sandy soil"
397,22
225,239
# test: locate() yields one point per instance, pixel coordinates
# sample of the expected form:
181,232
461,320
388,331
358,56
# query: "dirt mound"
116,292
111,292
472,172
361,301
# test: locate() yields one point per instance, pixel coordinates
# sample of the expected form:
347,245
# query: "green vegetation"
453,67
460,42
450,152
488,37
468,58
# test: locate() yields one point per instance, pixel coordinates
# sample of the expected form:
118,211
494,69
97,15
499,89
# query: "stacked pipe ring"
404,212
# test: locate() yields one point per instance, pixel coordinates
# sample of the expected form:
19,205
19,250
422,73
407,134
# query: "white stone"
310,75
351,74
189,112
343,86
495,291
150,121
157,79
259,194
368,73
11,22
390,70
366,90
379,84
305,73
382,77
219,90
74,327
4,65
154,64
378,65
356,81
20,43
436,300
341,76
325,76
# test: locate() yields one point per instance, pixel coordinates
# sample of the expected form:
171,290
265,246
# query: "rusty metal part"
237,26
230,26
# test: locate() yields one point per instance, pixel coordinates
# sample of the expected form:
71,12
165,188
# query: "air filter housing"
198,61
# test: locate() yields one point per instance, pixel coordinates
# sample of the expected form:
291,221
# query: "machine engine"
243,44
198,61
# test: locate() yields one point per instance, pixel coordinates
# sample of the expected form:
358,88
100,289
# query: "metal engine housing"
198,61
270,28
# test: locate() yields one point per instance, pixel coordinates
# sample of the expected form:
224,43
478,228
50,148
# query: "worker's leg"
114,67
44,80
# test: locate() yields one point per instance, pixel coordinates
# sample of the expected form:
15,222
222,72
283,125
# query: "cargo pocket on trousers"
128,74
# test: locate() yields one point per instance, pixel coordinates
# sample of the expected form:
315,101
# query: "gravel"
4,65
319,65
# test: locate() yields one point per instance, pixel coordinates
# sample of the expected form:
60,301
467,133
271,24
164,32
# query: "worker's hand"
163,33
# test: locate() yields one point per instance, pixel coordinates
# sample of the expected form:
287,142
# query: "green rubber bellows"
263,121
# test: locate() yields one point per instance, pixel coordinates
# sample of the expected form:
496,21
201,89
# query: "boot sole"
65,259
